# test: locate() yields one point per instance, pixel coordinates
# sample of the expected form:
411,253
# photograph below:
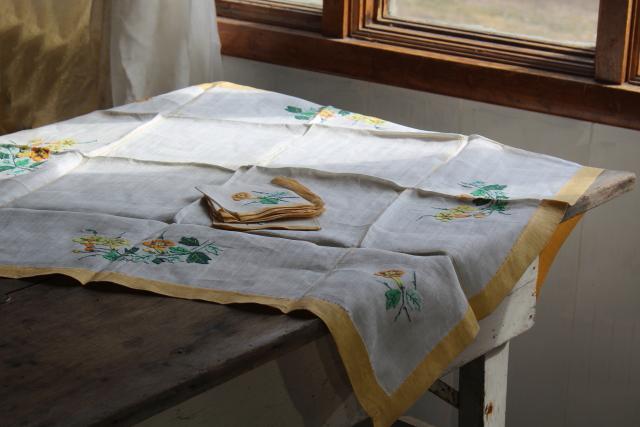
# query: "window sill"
508,85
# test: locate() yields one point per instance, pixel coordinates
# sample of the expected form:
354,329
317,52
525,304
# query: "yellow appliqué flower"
241,196
53,146
159,245
36,154
90,242
390,274
366,119
326,114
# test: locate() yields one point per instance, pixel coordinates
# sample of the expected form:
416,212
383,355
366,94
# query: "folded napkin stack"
285,204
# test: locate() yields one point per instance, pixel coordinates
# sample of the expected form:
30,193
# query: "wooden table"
106,355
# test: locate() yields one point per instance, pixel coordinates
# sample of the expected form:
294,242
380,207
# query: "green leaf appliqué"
393,298
199,258
189,241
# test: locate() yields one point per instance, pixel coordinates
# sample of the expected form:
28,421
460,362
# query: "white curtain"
161,45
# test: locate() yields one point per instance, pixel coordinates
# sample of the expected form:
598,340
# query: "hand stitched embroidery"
156,251
17,159
328,112
398,293
264,198
486,199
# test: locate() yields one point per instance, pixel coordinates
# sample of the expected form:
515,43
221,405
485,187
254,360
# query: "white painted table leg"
483,389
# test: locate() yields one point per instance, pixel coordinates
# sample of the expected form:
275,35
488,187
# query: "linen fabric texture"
423,233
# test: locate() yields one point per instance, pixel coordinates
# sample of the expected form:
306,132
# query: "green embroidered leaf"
5,168
500,206
179,250
494,187
480,202
212,249
414,299
266,200
302,117
3,155
393,298
189,241
198,257
22,162
158,260
35,165
293,109
344,112
133,250
479,193
112,255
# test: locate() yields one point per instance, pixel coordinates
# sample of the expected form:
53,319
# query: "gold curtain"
53,60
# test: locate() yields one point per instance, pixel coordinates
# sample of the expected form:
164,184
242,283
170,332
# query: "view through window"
312,3
571,22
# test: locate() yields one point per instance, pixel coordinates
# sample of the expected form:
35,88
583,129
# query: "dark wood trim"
633,72
375,24
508,85
335,18
272,12
614,24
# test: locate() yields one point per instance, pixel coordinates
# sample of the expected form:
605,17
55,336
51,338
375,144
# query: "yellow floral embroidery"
326,113
399,294
241,196
16,159
157,251
158,245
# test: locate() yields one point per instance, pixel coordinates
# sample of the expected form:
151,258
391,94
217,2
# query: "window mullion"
612,42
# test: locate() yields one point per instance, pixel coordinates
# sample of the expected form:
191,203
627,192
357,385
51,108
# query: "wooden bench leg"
483,390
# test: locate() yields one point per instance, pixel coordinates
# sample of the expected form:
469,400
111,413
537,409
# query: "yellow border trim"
382,408
534,238
550,251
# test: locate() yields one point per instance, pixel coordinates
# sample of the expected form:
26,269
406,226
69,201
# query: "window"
634,48
577,58
570,22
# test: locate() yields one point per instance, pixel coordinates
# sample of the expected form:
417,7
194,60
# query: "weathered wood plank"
110,356
610,184
483,389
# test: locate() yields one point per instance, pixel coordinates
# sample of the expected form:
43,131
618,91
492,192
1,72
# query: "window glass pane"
312,3
571,22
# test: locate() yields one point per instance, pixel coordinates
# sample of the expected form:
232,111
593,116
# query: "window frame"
280,13
355,38
371,22
633,71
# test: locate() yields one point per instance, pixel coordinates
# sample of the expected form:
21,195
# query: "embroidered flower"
59,145
483,201
326,114
395,275
390,274
36,154
90,242
241,196
159,245
398,295
366,119
157,251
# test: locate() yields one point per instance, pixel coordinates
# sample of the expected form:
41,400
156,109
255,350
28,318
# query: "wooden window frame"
356,38
280,13
372,22
633,71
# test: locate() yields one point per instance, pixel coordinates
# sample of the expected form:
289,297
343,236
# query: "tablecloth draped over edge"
540,236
